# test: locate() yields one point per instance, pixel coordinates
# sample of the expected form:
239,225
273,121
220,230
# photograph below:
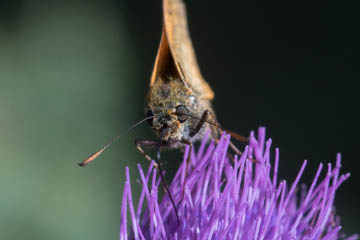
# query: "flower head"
240,200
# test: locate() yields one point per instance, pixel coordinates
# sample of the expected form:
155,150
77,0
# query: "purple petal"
234,199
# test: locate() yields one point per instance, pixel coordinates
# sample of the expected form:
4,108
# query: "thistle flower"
240,200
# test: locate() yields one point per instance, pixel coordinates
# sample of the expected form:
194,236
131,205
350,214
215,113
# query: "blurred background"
74,74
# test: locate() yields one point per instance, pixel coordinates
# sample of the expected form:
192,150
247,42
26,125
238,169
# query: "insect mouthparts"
164,119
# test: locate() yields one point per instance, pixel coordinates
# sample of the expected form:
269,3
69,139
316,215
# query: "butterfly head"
170,103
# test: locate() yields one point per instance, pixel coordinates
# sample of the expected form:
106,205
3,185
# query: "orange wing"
176,45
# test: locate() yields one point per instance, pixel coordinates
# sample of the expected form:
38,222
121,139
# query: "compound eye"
149,114
181,112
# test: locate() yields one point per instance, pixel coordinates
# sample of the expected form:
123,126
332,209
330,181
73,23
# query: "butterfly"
178,103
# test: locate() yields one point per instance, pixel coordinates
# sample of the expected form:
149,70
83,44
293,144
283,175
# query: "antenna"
234,135
99,152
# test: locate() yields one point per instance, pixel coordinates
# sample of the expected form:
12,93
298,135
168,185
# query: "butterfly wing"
176,47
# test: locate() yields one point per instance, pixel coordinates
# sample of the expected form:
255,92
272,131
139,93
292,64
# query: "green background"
74,74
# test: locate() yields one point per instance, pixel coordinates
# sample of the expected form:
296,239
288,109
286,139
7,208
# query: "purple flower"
244,200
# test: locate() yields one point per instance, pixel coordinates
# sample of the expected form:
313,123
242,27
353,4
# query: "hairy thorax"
164,98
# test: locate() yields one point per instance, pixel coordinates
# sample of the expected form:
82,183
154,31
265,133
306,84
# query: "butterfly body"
165,98
179,99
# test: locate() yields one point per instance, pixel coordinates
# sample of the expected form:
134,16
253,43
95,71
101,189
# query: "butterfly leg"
139,143
195,131
187,142
204,118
